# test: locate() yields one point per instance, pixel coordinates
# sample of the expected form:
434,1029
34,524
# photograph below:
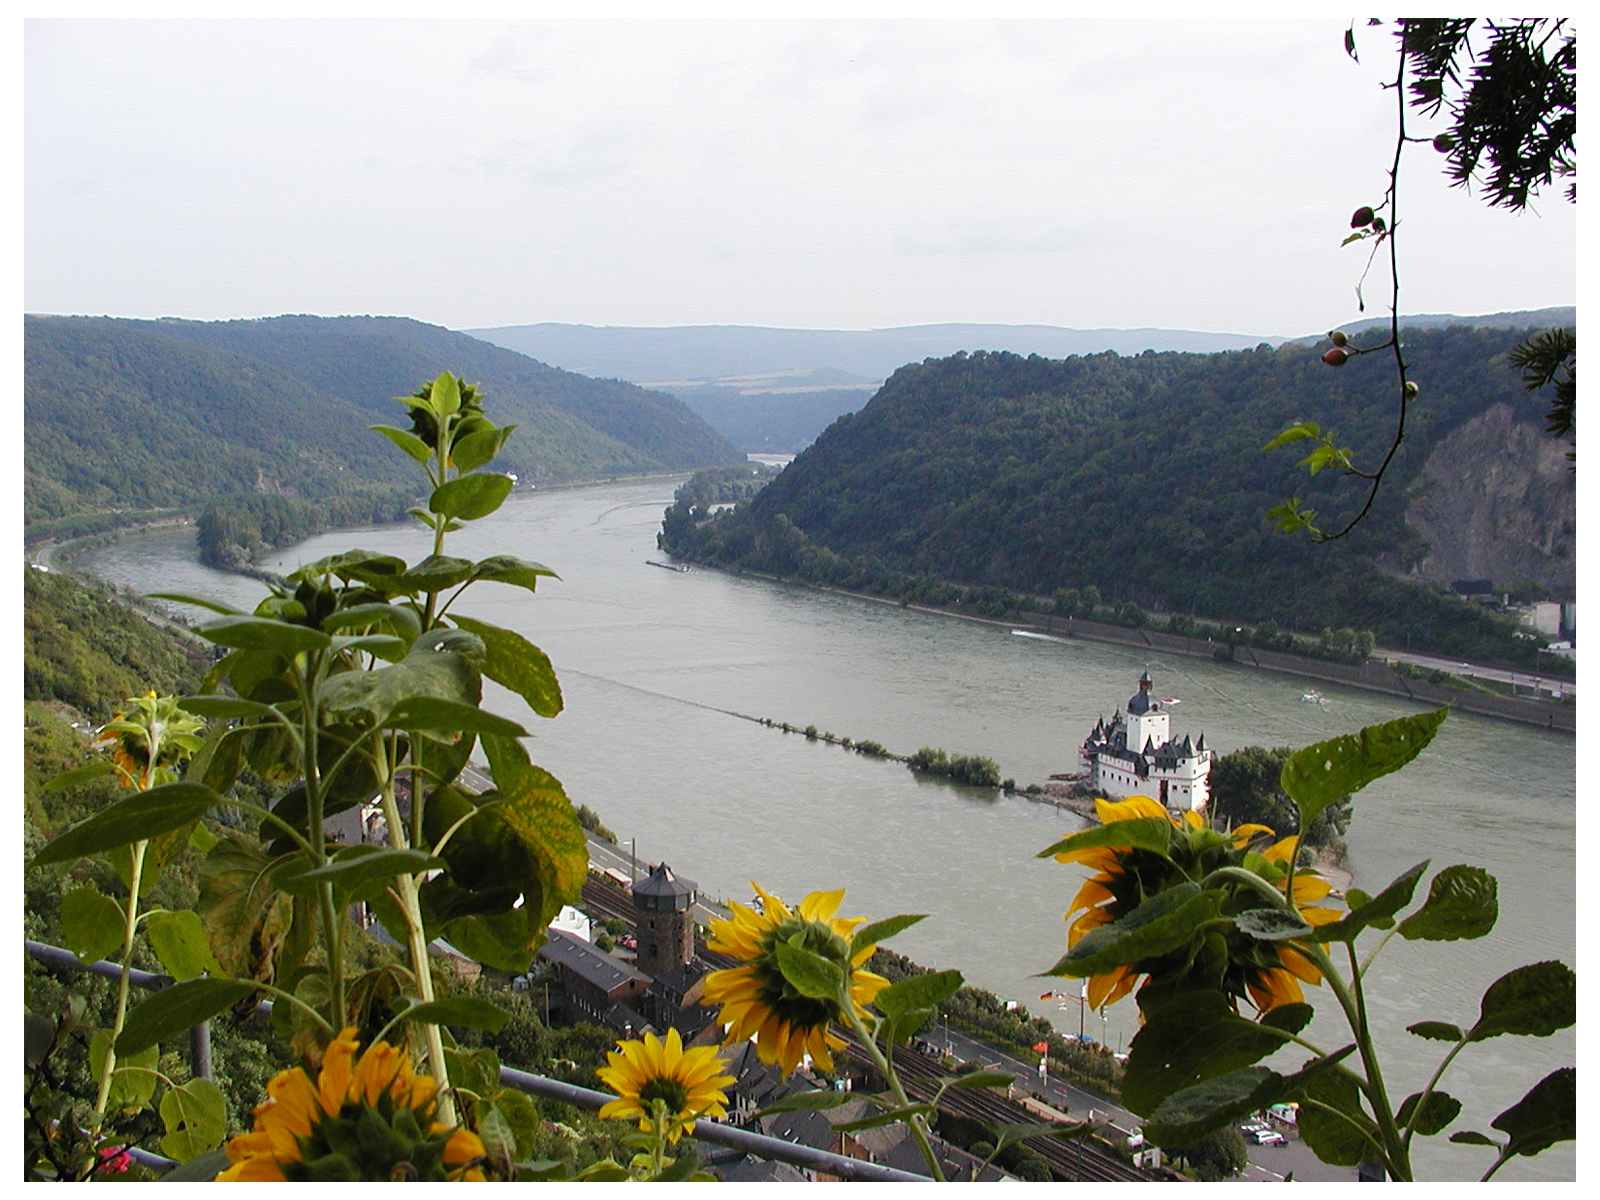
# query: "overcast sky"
839,174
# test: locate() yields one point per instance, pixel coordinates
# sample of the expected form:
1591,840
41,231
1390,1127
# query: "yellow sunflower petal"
333,1083
1283,850
1246,833
1130,809
1093,891
820,906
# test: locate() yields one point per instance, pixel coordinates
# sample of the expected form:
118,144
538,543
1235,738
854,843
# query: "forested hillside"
138,415
82,648
1141,477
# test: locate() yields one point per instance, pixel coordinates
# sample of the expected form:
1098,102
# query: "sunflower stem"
1399,1158
129,929
405,890
1422,1099
919,1129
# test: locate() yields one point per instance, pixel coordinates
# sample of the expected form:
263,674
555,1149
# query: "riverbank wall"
1373,675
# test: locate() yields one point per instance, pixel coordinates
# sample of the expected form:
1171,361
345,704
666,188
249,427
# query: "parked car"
1267,1137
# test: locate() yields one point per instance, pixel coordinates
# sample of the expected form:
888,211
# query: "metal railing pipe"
757,1145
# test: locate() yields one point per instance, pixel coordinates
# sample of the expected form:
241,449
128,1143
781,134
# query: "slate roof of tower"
662,882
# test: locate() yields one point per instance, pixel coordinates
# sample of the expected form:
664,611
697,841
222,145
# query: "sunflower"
757,1001
149,739
1129,872
689,1083
363,1119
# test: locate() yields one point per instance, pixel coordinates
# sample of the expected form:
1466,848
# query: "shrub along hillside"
1142,477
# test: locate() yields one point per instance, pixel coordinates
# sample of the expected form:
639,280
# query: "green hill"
132,415
1144,478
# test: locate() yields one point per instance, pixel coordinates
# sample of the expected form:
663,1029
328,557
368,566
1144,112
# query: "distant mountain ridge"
775,389
173,413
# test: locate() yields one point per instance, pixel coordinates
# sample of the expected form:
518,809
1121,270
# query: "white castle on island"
1135,755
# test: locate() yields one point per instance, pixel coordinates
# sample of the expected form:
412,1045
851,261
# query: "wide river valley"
659,669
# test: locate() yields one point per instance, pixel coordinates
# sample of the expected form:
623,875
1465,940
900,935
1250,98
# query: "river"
654,664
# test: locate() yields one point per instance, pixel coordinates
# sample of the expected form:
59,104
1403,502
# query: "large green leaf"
809,973
980,1079
83,774
1186,1116
177,1009
196,1116
1436,1031
470,496
1546,1115
92,923
479,447
817,1101
1327,772
248,920
1374,911
1271,924
179,940
205,602
891,1116
1332,1121
470,1012
357,870
517,665
1187,1039
435,573
133,1081
226,707
1436,1113
1167,920
407,441
398,619
1140,833
1462,902
367,566
436,714
422,673
507,568
918,992
1533,1001
443,395
522,838
882,931
262,633
134,818
199,1170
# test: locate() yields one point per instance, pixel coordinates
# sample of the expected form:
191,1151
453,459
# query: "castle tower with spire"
1134,754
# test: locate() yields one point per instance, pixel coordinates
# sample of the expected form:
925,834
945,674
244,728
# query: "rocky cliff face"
1497,500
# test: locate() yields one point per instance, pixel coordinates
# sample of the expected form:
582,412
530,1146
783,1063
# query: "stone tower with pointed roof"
1134,754
664,918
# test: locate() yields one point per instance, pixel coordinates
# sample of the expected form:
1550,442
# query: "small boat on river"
678,567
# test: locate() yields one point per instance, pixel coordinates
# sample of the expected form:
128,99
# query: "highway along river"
655,663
